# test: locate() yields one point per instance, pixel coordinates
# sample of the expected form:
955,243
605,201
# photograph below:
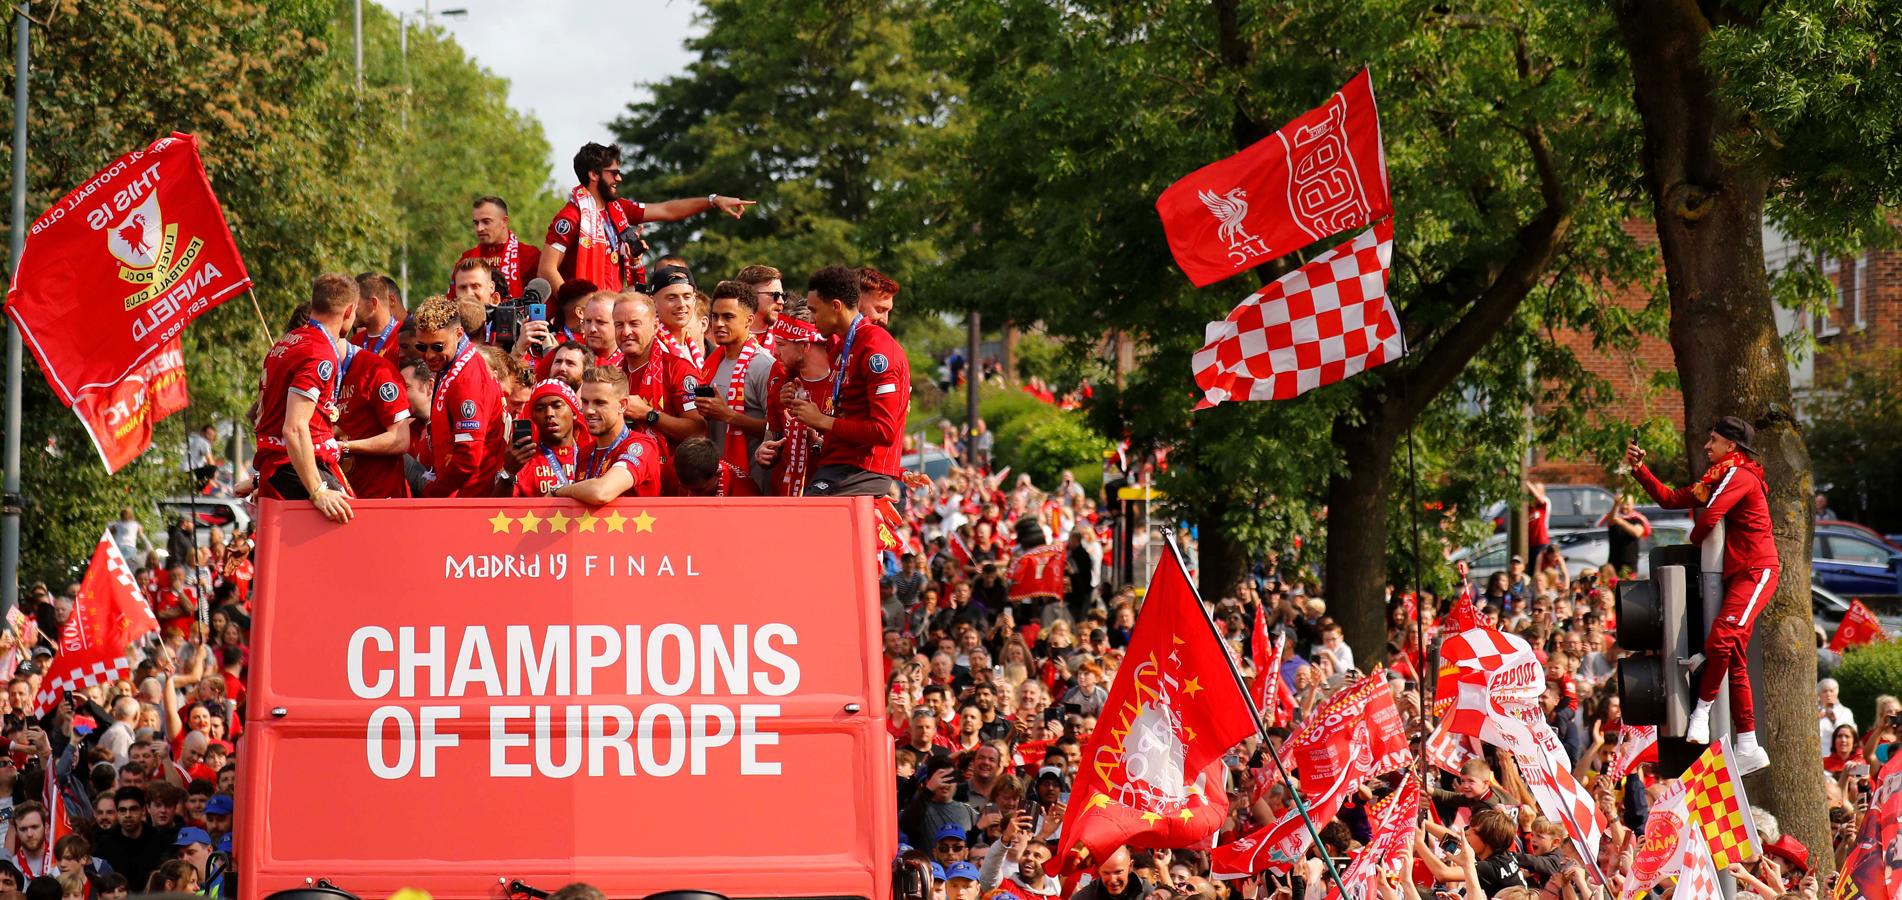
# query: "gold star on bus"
500,524
643,522
531,522
616,521
558,523
586,522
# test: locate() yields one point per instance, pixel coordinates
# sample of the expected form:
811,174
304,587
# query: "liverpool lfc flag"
1859,626
108,616
120,419
1320,175
1152,774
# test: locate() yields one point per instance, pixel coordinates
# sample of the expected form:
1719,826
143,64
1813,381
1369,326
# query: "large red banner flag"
120,418
1859,626
1320,175
117,268
1152,771
1038,573
108,616
1328,320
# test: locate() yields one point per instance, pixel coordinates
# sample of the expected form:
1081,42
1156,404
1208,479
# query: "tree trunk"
1221,563
1730,361
1007,341
1357,535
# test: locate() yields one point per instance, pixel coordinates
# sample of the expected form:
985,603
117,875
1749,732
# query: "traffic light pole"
1710,586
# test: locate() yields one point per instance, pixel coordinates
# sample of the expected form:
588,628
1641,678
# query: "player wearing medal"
379,316
466,440
864,434
624,460
551,459
297,402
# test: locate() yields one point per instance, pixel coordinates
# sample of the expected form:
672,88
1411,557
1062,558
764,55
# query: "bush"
999,406
1056,442
1868,672
1013,433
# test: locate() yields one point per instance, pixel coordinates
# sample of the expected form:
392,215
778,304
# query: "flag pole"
11,504
1419,606
1294,793
263,326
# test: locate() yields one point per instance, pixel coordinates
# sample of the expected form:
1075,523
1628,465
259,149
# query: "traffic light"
1655,625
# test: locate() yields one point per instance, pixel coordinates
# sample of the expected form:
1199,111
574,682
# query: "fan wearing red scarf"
740,372
623,460
1732,492
661,399
551,459
802,371
297,402
597,235
514,262
466,423
864,433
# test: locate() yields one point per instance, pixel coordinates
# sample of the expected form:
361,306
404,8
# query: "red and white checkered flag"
1314,326
108,616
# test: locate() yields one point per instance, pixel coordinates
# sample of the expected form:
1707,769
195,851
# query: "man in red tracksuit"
862,440
1732,491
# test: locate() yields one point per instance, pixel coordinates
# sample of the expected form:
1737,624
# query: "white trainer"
1750,759
1697,731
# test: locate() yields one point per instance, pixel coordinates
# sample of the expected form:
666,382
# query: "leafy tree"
1855,424
1750,109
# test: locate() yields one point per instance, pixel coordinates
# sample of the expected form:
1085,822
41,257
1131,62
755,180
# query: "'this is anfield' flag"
120,418
1858,627
1321,174
1152,773
108,616
117,268
1314,326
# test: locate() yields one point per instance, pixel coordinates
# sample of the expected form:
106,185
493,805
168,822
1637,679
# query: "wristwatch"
653,417
713,199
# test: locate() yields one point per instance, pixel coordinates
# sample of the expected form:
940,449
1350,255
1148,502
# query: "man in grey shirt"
738,404
117,738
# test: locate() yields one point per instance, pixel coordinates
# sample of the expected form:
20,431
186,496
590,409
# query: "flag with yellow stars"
1152,773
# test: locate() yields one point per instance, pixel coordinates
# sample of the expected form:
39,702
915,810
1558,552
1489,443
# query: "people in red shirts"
863,437
1538,522
297,401
466,439
514,262
674,295
379,316
702,473
740,371
597,328
802,370
550,460
661,385
1732,492
588,237
569,362
373,425
624,460
877,293
771,294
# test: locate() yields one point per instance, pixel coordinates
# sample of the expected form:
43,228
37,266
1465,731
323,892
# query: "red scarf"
597,246
689,351
798,446
734,451
1735,459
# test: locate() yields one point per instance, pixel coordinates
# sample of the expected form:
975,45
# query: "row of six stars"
559,522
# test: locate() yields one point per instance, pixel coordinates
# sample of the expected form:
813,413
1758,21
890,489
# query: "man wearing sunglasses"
771,293
466,439
597,235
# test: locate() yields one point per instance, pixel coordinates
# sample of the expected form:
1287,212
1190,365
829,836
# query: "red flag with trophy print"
1269,693
1859,626
108,616
117,268
1396,818
120,419
887,525
1039,573
1321,174
1152,773
1278,844
1321,747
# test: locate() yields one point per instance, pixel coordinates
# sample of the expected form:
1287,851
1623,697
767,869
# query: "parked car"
1836,526
1591,548
933,461
1851,563
1573,506
1828,609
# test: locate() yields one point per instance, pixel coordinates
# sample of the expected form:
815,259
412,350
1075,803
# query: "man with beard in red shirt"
466,439
865,432
379,316
624,460
297,402
373,422
802,370
597,235
514,262
1732,492
770,291
661,399
551,460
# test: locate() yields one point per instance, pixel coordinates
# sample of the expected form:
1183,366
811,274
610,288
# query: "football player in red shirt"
702,473
624,460
297,400
466,440
660,385
597,328
552,458
374,425
586,238
673,291
864,435
770,291
514,262
803,371
877,293
569,362
379,316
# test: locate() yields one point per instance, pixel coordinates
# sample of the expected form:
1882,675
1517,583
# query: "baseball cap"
218,805
667,276
190,836
937,872
949,831
1738,431
224,844
961,870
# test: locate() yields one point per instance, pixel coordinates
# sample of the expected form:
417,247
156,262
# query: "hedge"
1868,672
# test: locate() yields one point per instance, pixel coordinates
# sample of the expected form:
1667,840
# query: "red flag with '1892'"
1151,774
1320,175
118,267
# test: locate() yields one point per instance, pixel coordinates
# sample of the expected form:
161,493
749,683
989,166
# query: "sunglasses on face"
778,296
421,347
